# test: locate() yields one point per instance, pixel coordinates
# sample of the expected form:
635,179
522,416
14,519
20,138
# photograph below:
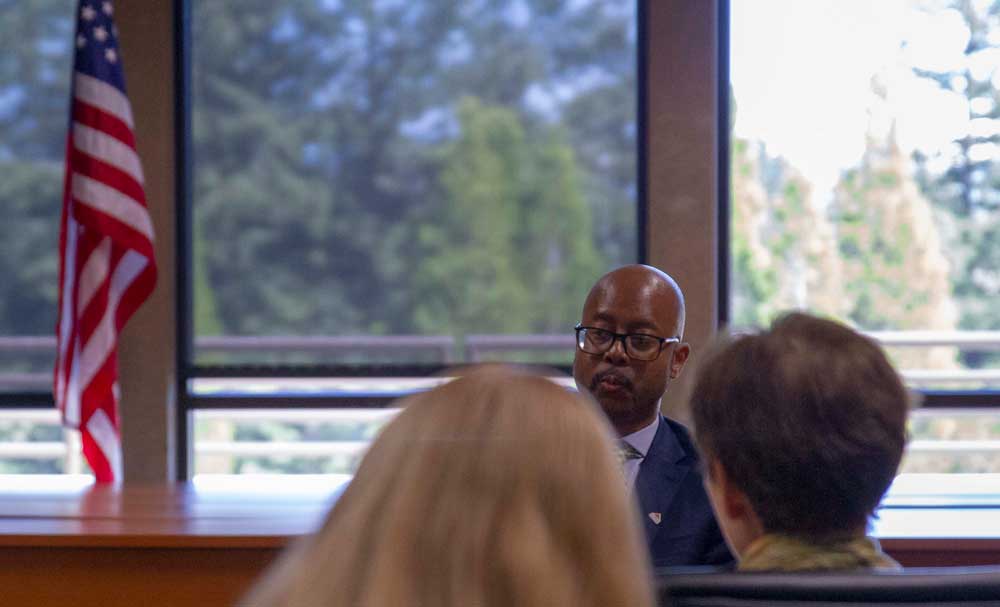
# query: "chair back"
923,587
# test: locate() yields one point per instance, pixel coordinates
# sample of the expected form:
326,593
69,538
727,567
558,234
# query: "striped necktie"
627,452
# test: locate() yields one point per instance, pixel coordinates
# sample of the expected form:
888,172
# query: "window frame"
932,399
169,415
187,370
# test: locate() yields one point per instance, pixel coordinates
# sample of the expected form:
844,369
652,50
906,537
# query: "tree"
968,189
508,247
35,45
783,246
896,274
35,39
873,256
318,187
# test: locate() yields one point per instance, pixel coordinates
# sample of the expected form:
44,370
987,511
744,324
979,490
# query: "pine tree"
783,247
324,150
969,188
896,275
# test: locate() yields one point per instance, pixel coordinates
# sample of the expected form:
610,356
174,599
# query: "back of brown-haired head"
807,419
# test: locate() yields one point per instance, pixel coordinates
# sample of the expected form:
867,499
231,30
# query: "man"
801,428
629,349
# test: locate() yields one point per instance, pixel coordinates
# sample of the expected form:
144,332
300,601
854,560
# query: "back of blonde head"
496,489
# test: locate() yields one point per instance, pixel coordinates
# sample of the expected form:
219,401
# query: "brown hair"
498,488
808,419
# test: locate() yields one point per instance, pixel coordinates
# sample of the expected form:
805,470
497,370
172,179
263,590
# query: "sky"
802,70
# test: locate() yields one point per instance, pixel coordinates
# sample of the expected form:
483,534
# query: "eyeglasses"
637,345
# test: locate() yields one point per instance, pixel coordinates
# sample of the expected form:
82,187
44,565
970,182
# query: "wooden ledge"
250,513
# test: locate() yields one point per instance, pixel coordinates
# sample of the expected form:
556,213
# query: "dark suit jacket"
669,487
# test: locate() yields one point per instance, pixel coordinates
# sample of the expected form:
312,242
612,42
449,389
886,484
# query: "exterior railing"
444,350
68,450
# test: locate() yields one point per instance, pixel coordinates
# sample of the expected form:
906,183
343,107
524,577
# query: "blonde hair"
496,489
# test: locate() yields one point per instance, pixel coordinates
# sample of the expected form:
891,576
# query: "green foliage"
206,320
512,224
29,242
772,220
355,194
874,262
35,41
34,96
753,285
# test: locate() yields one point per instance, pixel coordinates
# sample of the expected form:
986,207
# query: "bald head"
648,283
626,305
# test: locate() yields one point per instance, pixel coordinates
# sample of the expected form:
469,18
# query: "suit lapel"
660,475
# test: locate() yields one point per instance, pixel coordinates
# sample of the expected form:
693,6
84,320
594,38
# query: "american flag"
107,268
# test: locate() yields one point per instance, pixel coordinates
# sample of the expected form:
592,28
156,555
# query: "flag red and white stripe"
107,266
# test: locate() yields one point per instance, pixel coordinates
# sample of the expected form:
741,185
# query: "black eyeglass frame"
623,337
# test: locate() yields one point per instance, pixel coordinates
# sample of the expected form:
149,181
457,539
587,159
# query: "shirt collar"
641,439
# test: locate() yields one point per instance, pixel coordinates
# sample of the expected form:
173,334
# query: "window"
865,186
35,57
384,189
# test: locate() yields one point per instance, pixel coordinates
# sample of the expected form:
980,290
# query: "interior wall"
147,345
682,177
